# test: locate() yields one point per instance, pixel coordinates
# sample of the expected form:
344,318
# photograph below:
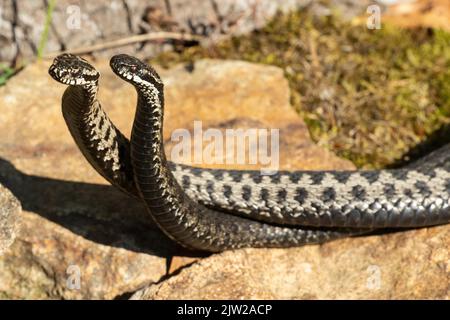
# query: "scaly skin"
410,197
190,224
199,228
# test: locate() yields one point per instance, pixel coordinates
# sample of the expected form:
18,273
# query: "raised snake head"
73,70
135,71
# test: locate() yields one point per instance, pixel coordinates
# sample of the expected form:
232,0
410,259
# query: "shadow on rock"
434,141
99,213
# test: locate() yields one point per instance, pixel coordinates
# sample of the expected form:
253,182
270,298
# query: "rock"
77,239
83,23
217,94
420,13
9,225
406,265
74,224
83,239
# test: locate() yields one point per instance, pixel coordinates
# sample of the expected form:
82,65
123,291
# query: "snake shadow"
99,213
432,142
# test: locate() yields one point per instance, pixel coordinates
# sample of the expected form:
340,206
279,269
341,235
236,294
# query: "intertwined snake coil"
215,210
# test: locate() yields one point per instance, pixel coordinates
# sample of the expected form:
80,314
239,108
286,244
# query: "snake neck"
102,144
147,149
79,101
155,183
148,130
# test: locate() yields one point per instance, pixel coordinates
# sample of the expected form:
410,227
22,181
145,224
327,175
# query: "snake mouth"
73,70
134,70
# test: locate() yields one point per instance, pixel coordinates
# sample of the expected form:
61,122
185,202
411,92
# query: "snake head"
72,70
135,71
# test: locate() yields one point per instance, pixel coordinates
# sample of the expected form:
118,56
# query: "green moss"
5,74
369,95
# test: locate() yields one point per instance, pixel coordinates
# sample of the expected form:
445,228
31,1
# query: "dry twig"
126,41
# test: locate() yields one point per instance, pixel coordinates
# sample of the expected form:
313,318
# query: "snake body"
101,143
183,220
194,213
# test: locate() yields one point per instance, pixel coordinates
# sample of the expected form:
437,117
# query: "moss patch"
368,95
5,73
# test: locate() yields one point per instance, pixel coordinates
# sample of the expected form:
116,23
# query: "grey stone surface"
78,23
9,218
73,219
413,264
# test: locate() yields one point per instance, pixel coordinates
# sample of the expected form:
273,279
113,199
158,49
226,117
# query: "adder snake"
215,210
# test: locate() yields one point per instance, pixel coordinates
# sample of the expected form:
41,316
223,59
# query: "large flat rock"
76,227
407,265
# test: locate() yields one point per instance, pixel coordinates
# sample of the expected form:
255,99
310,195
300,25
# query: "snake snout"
72,70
